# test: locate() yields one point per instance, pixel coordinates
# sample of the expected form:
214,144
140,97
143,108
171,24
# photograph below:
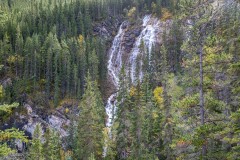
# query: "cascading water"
149,37
114,67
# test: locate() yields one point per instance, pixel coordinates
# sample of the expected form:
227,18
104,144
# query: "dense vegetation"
186,107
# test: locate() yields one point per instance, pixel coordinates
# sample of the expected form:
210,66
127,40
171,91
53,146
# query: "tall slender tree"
90,123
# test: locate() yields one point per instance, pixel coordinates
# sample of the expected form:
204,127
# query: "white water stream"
114,67
148,36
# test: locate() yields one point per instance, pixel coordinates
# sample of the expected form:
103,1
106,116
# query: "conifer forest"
119,79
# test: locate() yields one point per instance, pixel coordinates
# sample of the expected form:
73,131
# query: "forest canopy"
119,79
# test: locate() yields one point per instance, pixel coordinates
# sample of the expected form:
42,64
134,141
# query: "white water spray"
148,37
114,67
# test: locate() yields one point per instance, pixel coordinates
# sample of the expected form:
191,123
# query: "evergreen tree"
93,65
82,65
90,123
159,8
201,100
9,135
52,145
19,50
123,137
36,151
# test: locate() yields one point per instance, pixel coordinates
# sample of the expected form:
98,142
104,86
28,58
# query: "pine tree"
52,146
202,96
56,49
93,65
19,50
139,123
48,62
90,123
159,8
7,136
65,68
87,22
82,65
123,118
167,119
7,49
36,150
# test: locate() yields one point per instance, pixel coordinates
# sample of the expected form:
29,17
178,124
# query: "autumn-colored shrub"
166,14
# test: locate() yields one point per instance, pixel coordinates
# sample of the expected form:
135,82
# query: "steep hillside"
119,79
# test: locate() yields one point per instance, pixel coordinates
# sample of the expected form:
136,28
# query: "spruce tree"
9,135
52,146
19,51
123,138
36,150
90,123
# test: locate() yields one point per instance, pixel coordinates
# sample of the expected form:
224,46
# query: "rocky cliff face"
29,114
123,51
27,117
130,47
108,28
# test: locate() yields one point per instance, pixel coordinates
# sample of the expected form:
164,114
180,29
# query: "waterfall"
149,37
114,67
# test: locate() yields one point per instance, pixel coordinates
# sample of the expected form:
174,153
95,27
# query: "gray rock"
30,127
59,124
57,121
108,27
19,145
28,108
7,82
125,25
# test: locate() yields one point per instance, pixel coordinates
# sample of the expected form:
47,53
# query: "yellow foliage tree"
81,39
133,91
166,14
13,59
132,13
158,95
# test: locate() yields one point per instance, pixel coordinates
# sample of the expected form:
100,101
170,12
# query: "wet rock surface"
107,29
130,37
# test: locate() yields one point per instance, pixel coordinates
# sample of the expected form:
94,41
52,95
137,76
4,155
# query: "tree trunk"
202,111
